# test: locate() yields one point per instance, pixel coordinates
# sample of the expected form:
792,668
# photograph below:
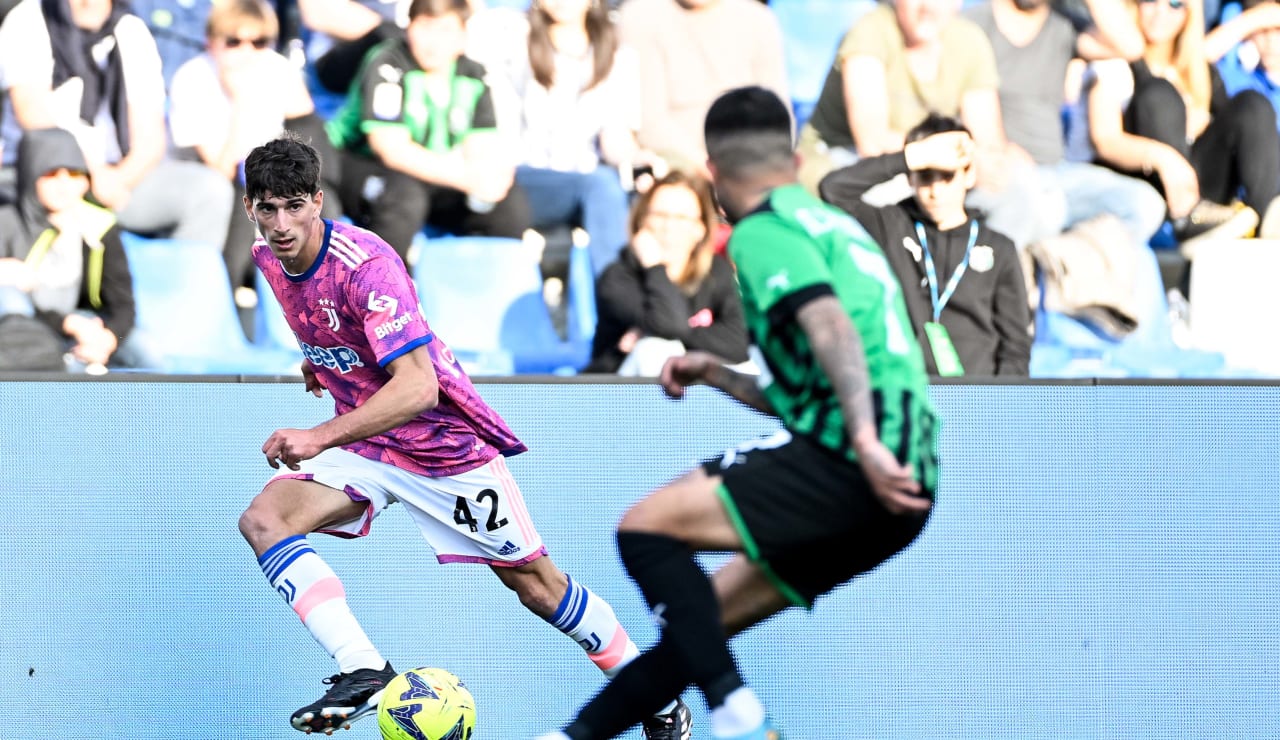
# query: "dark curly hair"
282,167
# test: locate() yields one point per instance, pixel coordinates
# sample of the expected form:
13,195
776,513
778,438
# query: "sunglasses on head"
1173,4
233,42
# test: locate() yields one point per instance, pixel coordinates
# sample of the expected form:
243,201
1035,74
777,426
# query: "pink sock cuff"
321,591
613,653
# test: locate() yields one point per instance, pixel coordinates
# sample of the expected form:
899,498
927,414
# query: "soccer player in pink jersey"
409,427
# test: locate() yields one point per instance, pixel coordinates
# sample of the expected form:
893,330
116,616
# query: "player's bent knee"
264,522
258,523
539,586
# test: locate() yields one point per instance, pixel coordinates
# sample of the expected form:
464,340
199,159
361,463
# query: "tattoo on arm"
837,346
742,388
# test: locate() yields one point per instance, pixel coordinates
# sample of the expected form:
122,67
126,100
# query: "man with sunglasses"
963,285
92,67
220,108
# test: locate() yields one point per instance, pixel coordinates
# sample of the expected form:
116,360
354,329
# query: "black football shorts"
807,516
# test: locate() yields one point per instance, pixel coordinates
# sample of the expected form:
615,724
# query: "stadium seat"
483,297
811,33
186,312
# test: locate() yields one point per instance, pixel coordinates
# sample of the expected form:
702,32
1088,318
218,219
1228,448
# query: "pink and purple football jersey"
354,311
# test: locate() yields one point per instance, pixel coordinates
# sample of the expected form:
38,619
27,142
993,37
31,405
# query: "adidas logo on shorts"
508,549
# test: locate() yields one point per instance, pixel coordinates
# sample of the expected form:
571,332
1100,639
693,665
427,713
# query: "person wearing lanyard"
963,284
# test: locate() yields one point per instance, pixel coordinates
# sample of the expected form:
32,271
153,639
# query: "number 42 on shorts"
462,512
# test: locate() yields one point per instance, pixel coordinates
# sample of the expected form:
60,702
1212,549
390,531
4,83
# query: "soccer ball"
426,704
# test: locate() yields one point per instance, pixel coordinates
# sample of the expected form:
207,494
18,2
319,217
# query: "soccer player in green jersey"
846,484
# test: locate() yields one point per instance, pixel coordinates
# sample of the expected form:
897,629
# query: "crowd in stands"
1090,130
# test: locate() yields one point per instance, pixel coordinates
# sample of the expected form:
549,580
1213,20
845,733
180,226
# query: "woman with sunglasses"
238,94
1168,116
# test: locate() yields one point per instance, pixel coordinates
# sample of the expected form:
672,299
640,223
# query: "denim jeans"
1043,201
13,300
593,200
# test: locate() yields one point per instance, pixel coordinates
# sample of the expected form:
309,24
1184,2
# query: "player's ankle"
740,713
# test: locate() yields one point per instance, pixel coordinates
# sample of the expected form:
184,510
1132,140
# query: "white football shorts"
475,517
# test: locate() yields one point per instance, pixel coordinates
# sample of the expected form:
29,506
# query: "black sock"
681,596
644,686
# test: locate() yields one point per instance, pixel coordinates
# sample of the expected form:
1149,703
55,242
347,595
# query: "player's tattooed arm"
837,347
698,366
741,387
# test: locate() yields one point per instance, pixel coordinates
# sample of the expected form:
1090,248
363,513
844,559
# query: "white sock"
590,621
741,713
311,588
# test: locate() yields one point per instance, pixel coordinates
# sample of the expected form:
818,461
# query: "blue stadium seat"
186,312
327,103
483,297
811,33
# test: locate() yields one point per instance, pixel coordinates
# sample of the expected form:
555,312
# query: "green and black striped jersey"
793,249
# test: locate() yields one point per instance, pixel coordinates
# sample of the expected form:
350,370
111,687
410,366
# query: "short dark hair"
284,166
935,123
438,8
748,127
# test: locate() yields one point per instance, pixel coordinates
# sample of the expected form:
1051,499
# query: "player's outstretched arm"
837,346
413,389
703,367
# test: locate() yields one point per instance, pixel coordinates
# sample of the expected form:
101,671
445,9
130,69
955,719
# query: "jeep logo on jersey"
382,303
387,328
341,359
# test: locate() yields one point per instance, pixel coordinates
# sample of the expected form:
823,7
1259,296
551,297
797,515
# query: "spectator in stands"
576,93
99,71
668,291
900,61
341,33
7,174
1033,47
62,260
962,281
220,109
1247,51
419,137
690,52
1168,117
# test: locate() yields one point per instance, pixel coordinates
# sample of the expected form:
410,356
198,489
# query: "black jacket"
630,296
106,287
987,318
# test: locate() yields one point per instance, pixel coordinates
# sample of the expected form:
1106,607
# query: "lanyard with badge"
944,352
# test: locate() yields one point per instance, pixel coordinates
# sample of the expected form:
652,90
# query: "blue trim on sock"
282,543
281,556
569,614
564,603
